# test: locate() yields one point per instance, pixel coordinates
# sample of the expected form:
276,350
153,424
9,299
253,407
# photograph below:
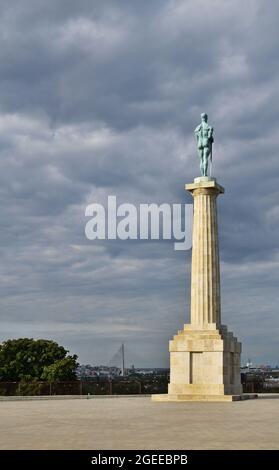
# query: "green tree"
60,370
26,359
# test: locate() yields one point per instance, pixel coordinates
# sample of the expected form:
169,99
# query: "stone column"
205,278
204,355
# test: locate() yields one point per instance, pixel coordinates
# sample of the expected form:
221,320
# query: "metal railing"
79,387
110,387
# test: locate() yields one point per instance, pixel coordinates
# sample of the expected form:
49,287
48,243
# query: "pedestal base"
218,398
204,366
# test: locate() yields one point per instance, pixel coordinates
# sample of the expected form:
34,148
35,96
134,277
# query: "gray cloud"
101,98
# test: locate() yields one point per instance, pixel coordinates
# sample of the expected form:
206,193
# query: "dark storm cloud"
101,97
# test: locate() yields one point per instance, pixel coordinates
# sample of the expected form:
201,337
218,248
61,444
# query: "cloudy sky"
100,97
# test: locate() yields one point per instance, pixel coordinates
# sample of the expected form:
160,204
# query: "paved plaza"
139,423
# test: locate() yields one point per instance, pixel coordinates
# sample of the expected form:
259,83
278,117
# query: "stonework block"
208,363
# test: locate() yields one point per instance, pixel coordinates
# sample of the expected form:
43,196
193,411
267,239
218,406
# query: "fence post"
80,387
140,391
110,387
50,388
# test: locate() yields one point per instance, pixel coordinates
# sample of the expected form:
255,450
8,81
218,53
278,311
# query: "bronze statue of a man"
204,135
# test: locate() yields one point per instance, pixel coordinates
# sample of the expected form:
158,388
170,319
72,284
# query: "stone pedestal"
204,356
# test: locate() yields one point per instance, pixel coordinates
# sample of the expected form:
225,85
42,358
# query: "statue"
204,134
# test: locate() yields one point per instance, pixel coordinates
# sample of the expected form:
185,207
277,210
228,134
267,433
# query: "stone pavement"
139,423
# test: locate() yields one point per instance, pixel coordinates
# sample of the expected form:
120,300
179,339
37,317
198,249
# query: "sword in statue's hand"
210,171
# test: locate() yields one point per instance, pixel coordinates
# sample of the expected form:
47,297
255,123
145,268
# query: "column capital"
204,185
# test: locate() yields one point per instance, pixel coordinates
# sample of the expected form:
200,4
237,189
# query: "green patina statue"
204,135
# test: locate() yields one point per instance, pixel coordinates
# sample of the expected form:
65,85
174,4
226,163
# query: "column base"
205,362
216,398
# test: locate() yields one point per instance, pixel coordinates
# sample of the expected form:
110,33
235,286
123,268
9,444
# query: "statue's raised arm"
205,139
